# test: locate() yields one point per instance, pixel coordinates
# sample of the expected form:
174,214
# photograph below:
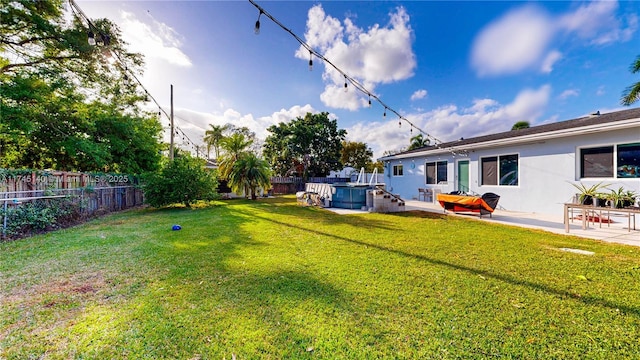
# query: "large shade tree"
632,93
309,146
65,104
356,155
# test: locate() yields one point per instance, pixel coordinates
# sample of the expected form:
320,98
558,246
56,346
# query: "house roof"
591,123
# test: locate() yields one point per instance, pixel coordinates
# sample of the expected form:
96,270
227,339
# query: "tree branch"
36,62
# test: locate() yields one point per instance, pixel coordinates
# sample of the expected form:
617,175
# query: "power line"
104,40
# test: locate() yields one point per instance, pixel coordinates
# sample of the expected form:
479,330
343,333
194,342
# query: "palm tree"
213,138
248,173
632,93
234,146
418,141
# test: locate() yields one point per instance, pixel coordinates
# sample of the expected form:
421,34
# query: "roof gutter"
532,138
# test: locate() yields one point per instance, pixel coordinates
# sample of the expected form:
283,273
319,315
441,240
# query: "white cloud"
447,123
194,123
597,22
521,39
549,60
377,55
600,91
480,105
154,41
513,43
568,93
419,94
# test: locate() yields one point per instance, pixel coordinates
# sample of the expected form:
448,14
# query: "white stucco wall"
546,171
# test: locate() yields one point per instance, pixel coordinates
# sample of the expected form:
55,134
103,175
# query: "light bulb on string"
384,115
256,29
310,61
369,100
91,38
345,83
399,122
125,80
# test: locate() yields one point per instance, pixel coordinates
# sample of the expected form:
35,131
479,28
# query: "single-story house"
532,169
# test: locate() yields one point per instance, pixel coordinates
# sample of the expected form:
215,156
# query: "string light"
91,38
353,81
399,122
345,83
256,29
96,37
384,115
310,61
369,100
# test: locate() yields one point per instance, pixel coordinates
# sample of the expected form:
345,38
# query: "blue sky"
454,69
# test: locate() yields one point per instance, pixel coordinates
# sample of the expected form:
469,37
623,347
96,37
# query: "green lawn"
272,280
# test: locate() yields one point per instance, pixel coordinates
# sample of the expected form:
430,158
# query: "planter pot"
587,200
600,202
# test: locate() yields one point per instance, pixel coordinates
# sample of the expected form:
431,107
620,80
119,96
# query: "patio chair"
423,193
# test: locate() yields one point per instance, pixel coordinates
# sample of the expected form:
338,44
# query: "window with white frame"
398,170
628,160
621,161
499,170
436,172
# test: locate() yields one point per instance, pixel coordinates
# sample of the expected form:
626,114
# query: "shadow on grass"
193,274
588,300
311,214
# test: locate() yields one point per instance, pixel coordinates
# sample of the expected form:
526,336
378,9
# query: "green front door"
463,175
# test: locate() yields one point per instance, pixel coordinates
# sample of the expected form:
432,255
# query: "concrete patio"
616,232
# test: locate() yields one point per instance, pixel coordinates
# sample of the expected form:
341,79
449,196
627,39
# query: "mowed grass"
272,280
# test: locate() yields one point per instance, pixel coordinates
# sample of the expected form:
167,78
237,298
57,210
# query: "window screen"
490,170
596,162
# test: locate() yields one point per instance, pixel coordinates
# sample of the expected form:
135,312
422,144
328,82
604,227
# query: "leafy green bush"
38,215
184,180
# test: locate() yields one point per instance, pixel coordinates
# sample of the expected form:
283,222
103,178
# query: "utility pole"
172,130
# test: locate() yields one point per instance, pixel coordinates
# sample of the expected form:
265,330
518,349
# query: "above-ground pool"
349,196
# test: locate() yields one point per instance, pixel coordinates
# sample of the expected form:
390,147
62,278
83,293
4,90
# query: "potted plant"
601,199
588,193
616,197
629,198
621,198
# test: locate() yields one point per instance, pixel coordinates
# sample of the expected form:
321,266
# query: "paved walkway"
616,232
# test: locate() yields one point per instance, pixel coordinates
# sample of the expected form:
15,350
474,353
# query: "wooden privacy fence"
88,194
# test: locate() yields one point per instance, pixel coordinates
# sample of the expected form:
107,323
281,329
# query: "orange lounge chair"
483,205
